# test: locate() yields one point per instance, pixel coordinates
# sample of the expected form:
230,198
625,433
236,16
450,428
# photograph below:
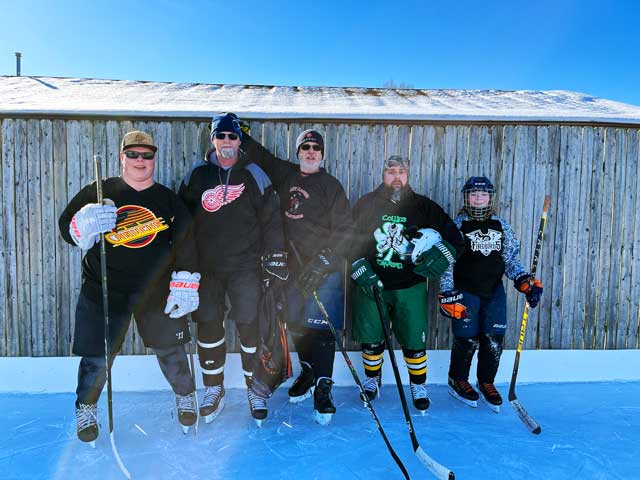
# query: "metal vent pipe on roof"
18,57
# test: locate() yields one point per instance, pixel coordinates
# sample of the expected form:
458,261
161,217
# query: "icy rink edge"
141,372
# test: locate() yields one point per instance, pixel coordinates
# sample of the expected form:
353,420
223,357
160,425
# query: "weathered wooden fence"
590,264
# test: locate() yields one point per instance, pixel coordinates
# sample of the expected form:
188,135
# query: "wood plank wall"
590,263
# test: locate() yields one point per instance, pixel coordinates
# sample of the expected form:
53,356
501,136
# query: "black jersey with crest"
150,240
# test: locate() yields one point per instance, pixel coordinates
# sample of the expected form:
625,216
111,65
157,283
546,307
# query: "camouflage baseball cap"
138,139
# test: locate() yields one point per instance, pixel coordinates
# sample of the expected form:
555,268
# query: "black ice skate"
420,397
212,403
371,387
186,411
303,386
323,407
463,391
87,422
258,406
490,396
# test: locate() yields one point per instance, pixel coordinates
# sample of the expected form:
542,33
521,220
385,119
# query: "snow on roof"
127,98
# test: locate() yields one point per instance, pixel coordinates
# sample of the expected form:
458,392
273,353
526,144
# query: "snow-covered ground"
590,430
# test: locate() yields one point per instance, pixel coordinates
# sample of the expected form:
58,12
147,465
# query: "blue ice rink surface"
589,431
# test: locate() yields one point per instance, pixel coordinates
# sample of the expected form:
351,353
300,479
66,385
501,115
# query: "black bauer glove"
315,271
450,305
530,286
275,265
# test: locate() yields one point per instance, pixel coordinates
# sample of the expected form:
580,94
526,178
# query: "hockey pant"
173,363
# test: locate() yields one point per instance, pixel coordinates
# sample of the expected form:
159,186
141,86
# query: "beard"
395,192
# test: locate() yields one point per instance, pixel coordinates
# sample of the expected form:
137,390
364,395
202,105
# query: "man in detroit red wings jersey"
236,222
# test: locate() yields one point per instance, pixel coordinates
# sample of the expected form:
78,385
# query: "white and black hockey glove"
275,265
90,221
183,294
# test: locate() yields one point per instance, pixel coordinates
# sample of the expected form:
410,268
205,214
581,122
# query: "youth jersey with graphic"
235,214
491,251
150,239
380,224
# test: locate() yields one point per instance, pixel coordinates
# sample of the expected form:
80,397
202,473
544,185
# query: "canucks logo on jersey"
485,243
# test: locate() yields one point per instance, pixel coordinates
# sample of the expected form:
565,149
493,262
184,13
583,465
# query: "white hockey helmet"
424,239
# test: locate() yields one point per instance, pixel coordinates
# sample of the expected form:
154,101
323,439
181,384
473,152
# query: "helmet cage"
478,213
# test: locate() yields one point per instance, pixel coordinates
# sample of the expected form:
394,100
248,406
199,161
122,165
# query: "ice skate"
87,422
371,387
490,396
257,405
463,391
303,386
212,403
187,415
323,407
420,396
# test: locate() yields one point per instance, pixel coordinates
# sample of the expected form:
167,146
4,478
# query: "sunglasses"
222,136
305,147
145,155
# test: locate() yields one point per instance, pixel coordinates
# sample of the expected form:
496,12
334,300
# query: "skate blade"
302,398
322,418
92,443
185,429
258,422
212,416
492,407
470,403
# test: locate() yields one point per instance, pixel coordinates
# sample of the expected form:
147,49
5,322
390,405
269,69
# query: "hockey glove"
450,305
362,273
275,265
90,221
316,270
183,294
435,261
530,286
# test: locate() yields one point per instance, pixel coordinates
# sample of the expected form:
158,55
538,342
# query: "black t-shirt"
151,237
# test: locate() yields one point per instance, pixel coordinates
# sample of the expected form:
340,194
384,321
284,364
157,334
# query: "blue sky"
585,46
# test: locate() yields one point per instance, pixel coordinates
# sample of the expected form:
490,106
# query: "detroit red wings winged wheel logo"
214,198
136,227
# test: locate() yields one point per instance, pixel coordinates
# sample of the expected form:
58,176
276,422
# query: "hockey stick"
530,423
439,471
354,374
105,308
193,370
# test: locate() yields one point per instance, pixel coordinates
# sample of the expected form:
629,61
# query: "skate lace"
419,390
86,415
255,400
465,386
186,403
489,389
211,394
370,384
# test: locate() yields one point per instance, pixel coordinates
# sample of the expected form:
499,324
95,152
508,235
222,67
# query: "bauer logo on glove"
183,294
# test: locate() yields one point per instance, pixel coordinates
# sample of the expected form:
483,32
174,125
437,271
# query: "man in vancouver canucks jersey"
473,296
146,235
402,237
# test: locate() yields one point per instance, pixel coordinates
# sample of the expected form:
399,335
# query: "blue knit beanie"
226,122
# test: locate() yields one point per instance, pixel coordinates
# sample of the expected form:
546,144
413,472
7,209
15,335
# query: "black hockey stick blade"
439,471
527,419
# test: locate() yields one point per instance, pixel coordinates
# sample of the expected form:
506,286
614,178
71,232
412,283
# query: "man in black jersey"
473,296
238,232
317,223
146,233
390,222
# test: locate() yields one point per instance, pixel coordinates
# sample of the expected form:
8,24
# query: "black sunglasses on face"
305,147
145,155
222,136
